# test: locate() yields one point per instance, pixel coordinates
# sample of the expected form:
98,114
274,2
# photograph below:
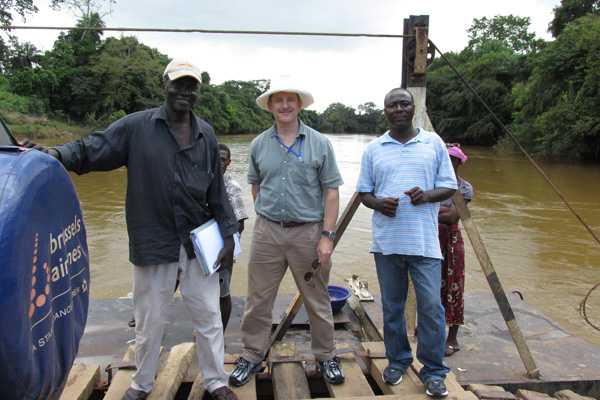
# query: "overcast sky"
347,70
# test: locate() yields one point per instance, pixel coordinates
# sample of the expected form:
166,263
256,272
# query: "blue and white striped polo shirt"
390,168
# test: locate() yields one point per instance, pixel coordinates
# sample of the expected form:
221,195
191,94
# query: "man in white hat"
174,184
295,180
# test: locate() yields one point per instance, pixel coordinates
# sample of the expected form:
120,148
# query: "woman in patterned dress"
453,267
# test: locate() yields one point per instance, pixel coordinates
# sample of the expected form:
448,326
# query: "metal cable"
582,306
217,31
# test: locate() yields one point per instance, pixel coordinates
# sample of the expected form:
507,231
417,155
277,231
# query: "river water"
535,244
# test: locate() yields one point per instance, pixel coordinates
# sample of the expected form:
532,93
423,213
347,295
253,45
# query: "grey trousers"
274,249
152,295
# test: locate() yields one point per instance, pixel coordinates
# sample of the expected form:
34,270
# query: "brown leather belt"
286,224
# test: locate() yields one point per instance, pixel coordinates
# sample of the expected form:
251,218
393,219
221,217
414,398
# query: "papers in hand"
208,242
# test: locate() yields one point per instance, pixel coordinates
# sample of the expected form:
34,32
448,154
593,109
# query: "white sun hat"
284,85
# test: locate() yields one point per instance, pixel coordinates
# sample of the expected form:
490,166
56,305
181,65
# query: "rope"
216,31
535,164
583,307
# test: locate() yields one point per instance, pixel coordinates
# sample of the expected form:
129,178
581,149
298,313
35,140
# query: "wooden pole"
414,73
494,282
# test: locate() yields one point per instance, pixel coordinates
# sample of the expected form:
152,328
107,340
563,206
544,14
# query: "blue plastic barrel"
44,275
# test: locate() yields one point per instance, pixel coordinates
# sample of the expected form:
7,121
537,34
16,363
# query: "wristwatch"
328,234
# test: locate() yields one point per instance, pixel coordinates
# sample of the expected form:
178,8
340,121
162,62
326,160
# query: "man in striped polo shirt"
404,175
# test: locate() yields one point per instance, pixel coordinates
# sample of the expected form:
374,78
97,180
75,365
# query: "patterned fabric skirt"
453,273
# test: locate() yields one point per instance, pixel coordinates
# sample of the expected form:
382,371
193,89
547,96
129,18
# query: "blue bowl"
338,296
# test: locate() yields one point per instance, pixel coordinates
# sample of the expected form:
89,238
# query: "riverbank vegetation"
547,93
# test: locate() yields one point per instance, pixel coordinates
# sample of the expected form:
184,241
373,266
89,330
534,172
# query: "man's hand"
387,206
324,250
225,257
417,196
48,150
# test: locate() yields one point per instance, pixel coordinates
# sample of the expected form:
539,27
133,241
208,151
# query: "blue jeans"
425,272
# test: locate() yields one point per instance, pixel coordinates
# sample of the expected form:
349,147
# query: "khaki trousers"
274,249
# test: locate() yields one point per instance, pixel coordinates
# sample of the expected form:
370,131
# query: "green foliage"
512,31
457,114
557,110
570,10
338,118
370,119
21,7
130,76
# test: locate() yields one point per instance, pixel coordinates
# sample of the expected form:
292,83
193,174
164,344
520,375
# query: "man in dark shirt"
174,184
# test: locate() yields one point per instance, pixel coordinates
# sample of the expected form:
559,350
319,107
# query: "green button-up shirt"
292,182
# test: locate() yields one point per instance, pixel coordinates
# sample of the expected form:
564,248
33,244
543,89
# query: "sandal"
450,349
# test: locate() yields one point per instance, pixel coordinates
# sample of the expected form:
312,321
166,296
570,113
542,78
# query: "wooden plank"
487,392
81,381
197,390
410,385
171,375
423,396
531,395
374,314
368,330
421,50
122,379
289,379
567,394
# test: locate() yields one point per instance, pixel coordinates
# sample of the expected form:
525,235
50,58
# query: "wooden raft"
291,374
290,377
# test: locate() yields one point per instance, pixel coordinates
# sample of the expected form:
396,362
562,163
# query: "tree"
83,9
338,118
510,30
17,56
570,10
21,7
130,75
492,69
205,78
556,110
370,118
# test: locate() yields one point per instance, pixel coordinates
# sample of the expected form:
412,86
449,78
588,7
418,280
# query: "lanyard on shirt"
290,149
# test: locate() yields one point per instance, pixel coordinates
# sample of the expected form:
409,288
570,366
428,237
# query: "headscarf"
456,151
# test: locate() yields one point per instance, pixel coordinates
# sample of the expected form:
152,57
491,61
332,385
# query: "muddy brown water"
537,247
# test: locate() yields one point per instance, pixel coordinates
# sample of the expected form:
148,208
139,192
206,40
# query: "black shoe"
223,393
436,388
132,394
131,322
392,376
332,371
243,371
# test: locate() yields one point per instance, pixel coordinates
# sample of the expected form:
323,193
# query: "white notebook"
208,242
